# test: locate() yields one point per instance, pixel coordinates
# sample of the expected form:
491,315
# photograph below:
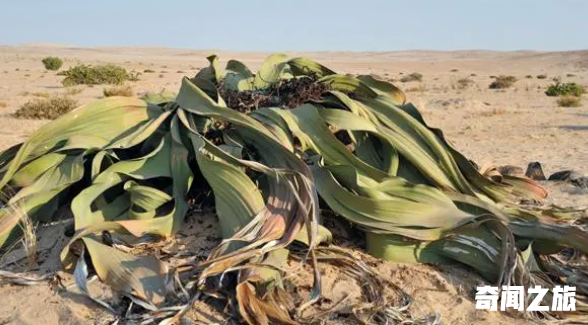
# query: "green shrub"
52,63
569,101
565,89
96,75
49,108
502,82
126,91
415,76
134,75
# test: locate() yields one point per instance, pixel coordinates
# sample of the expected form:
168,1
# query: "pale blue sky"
279,25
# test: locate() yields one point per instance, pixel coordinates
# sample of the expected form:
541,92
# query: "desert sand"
514,126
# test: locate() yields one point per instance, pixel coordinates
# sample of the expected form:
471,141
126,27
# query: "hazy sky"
277,25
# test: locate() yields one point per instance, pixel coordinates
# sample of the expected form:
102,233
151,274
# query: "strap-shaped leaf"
273,69
304,66
109,121
142,277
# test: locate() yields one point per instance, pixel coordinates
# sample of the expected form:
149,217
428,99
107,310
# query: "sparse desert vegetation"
464,83
72,91
46,108
126,91
96,75
569,101
542,76
52,63
42,94
415,76
420,88
503,82
134,75
565,89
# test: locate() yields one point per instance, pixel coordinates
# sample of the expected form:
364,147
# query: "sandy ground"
513,126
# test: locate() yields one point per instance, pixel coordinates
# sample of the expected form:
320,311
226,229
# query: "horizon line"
60,45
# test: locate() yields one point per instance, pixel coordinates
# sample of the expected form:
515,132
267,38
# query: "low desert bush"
542,76
415,76
126,91
41,94
74,91
421,88
134,75
52,63
47,108
569,101
565,89
464,83
502,82
96,75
